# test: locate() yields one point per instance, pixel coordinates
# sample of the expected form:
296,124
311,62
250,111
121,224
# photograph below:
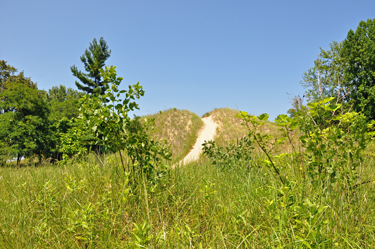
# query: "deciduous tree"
64,103
325,78
359,53
23,115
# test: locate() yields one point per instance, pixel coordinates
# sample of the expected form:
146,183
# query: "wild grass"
86,205
180,129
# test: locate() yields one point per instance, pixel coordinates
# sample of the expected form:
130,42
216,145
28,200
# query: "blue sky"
195,55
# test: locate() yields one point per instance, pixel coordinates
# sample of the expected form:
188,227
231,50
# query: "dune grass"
230,127
179,128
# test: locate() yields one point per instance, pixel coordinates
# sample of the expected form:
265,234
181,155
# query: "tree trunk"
18,159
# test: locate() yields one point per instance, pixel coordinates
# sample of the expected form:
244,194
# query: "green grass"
87,205
180,129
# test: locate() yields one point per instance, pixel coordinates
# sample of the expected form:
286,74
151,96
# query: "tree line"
34,122
46,123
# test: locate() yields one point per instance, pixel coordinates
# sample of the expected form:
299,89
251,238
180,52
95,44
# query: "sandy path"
207,133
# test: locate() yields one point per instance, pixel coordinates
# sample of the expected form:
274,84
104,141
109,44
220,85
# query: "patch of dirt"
187,128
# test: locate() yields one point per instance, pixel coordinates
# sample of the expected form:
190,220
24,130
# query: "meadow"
216,202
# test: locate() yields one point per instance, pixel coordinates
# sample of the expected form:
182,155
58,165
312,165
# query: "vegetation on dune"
231,128
179,128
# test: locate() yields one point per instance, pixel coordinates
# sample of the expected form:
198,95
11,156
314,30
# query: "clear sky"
193,54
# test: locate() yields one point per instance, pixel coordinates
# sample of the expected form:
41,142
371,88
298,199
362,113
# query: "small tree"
116,132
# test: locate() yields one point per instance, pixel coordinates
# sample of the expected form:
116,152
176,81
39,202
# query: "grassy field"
85,204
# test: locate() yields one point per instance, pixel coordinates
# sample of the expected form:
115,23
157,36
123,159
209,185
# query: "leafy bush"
326,162
229,156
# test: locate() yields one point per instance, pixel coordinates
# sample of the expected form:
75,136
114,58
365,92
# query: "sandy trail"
207,133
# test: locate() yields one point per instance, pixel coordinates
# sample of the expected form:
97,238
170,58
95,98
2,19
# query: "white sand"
207,133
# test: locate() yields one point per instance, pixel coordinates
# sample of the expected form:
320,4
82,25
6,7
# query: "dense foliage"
32,120
64,103
23,116
358,53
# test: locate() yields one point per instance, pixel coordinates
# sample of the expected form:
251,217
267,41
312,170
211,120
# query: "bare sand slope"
207,133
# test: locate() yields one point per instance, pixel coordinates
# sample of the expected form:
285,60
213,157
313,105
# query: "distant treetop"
93,59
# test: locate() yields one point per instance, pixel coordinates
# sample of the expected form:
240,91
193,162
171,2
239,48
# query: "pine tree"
93,60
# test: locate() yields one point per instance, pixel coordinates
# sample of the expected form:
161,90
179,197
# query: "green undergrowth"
87,205
179,128
241,195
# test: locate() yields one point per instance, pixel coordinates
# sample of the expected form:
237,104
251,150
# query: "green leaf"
309,203
321,209
267,163
263,117
312,105
119,107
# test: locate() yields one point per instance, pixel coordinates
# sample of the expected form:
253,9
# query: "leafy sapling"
265,142
107,115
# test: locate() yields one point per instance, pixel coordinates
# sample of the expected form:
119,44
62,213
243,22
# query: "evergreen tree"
93,60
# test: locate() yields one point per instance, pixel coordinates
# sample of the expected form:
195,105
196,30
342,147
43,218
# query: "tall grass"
92,204
86,205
